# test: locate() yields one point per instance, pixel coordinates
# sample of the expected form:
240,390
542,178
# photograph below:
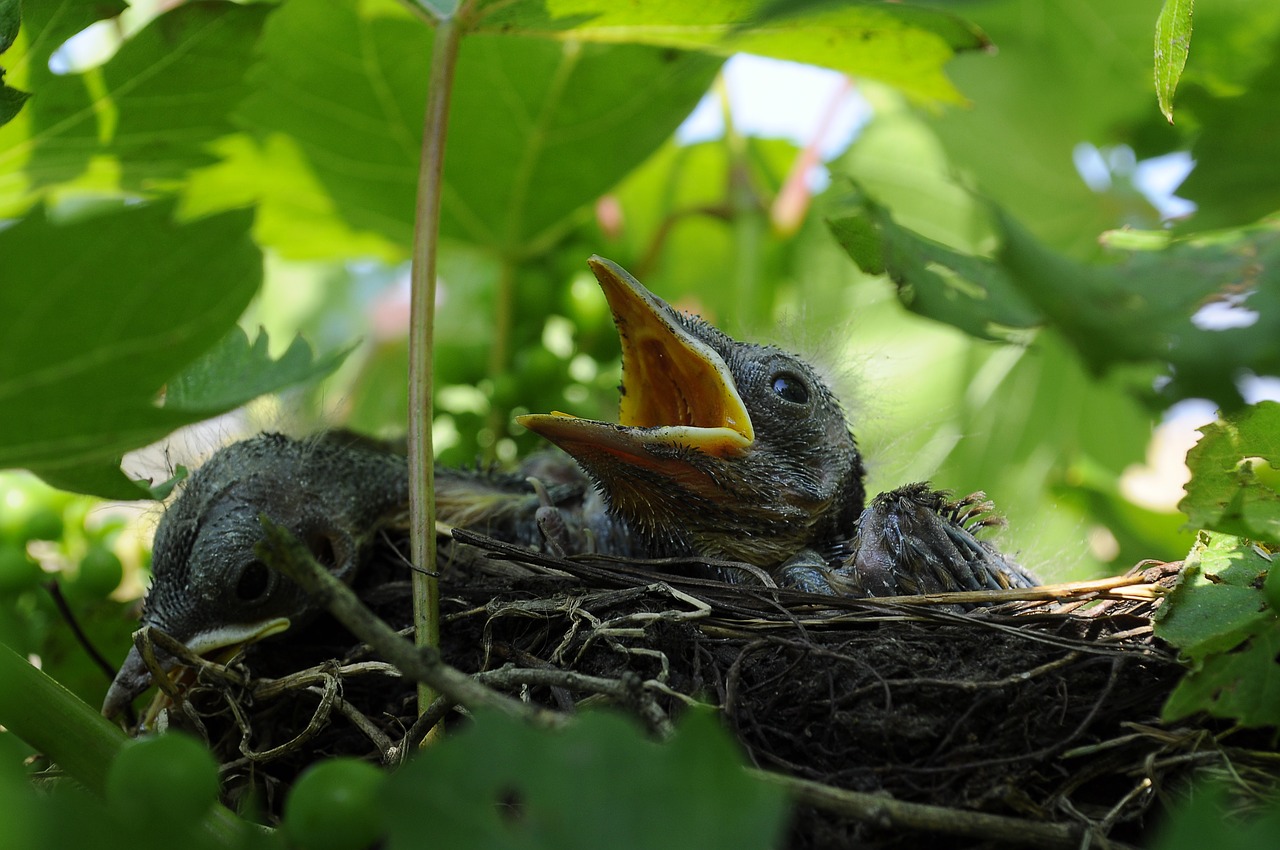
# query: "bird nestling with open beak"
739,451
724,450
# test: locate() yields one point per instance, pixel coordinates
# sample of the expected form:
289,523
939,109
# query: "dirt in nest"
1046,711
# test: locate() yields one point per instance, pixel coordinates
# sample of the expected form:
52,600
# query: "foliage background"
218,163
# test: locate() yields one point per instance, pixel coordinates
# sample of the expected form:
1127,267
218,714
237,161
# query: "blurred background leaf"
903,45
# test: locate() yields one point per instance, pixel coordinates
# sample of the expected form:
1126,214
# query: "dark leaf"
100,313
235,372
503,784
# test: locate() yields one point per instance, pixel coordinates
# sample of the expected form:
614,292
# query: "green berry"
100,573
17,571
165,783
334,806
43,523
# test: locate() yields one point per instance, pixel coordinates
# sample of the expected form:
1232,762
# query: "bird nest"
1026,717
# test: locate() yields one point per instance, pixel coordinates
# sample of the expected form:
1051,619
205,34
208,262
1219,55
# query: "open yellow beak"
676,389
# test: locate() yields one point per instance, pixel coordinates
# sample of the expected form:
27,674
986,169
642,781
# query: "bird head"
209,590
722,448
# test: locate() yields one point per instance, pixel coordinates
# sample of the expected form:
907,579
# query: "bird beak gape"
676,389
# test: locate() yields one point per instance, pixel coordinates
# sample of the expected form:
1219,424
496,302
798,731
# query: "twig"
281,551
887,812
60,602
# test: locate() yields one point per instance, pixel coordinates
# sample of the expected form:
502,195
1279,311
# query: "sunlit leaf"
538,128
1243,685
1173,40
45,27
1235,470
295,215
973,293
1218,601
199,47
902,45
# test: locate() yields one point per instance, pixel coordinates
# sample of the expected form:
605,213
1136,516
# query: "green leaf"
11,99
98,314
567,786
10,20
235,372
1218,601
973,293
295,215
904,46
1077,71
1173,40
139,107
1210,816
1233,485
1237,175
1203,311
104,479
538,128
899,161
45,27
1243,685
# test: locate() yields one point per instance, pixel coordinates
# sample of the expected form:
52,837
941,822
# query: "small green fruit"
100,573
163,784
17,571
334,806
43,523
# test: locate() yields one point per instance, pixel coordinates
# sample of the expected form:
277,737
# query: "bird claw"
555,531
806,572
916,540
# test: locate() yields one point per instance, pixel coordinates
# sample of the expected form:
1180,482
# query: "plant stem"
500,353
422,513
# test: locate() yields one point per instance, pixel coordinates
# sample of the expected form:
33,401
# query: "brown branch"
886,812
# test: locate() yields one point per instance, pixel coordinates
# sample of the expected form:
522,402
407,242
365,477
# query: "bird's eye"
790,388
254,582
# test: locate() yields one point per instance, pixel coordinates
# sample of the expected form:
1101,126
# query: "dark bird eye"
255,580
790,388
